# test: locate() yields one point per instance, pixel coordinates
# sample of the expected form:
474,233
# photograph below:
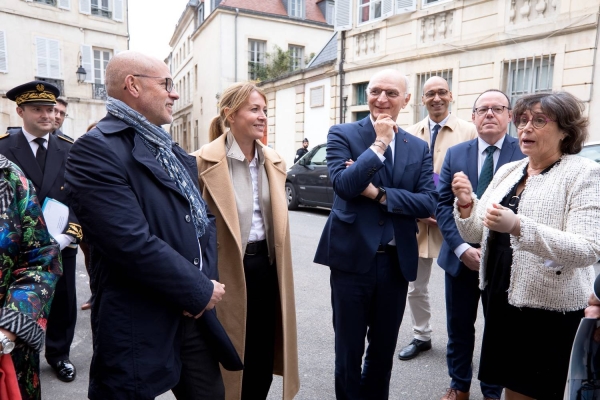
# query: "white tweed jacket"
560,233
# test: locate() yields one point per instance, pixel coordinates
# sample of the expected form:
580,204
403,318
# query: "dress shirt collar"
234,151
30,138
441,123
482,145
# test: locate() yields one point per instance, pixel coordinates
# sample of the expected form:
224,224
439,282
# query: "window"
320,157
421,79
3,53
430,2
296,57
317,96
48,58
296,8
527,75
49,2
101,8
329,12
368,10
256,57
361,93
200,15
101,58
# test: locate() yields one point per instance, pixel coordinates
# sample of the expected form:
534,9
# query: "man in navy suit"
460,260
383,181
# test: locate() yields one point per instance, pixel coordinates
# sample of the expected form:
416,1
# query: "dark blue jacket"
462,157
354,229
145,258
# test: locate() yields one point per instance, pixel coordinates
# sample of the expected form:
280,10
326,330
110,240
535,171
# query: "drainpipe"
341,73
237,11
594,58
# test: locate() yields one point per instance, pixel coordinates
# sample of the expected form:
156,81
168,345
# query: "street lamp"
81,73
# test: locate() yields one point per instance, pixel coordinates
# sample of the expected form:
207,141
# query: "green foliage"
278,63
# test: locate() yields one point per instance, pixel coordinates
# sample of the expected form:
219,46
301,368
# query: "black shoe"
413,349
65,370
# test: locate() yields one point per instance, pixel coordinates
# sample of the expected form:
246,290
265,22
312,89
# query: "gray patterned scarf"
6,191
159,142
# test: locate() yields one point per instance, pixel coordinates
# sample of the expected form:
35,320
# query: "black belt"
385,247
254,248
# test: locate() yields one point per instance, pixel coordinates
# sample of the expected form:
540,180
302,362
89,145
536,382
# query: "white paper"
56,215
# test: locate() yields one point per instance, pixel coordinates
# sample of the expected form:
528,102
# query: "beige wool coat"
454,132
217,191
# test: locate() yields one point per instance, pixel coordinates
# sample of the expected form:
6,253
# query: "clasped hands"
217,295
497,218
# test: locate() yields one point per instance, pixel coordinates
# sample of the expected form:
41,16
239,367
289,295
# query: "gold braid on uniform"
75,231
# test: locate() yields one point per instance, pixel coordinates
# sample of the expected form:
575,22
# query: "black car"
308,181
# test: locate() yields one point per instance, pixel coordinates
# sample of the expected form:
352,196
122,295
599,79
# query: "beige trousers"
418,300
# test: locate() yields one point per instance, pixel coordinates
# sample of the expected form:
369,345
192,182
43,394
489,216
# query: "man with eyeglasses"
441,130
383,180
41,155
153,246
60,113
478,159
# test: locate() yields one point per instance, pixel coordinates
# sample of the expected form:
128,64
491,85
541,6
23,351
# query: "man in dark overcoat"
42,156
153,245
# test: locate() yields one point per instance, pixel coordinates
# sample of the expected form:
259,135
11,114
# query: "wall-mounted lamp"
81,73
345,98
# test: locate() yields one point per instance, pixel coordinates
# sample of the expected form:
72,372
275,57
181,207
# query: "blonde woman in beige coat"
243,183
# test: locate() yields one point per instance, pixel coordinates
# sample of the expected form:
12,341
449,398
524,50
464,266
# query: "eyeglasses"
431,94
61,113
495,109
390,94
168,81
538,121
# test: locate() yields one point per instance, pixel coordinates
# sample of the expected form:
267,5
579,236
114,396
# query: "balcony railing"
59,83
99,91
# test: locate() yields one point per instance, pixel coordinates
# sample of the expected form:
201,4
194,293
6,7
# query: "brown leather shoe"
455,394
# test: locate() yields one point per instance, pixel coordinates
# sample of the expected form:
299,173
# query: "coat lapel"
506,152
472,160
54,162
218,184
277,176
400,156
142,155
22,152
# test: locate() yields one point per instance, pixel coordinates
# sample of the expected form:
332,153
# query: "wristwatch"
380,195
7,344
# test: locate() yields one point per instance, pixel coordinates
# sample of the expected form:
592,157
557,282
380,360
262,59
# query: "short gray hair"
406,85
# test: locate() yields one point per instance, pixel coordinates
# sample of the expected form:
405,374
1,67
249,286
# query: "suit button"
196,261
62,188
381,223
187,218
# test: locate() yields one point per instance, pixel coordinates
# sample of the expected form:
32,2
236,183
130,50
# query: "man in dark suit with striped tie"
478,159
42,155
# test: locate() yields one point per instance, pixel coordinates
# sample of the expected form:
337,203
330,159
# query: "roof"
327,53
313,13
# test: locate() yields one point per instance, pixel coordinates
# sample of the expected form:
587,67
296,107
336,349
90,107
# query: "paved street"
423,378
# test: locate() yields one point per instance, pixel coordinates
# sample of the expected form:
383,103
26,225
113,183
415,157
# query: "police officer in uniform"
42,155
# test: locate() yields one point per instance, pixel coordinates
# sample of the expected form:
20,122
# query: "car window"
592,152
320,157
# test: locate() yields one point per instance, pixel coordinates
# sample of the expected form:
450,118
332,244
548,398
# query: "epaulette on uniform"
66,138
4,135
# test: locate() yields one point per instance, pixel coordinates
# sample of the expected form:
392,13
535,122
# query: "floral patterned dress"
30,268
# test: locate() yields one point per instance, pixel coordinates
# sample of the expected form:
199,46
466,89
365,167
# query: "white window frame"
342,15
49,45
254,54
3,52
297,60
422,77
103,63
297,9
371,5
87,62
433,3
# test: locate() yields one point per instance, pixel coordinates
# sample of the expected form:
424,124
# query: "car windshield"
592,152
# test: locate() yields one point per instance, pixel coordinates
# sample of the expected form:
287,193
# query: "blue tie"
389,162
434,133
487,172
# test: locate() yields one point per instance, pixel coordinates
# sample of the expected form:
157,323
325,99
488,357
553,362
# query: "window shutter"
85,6
343,15
53,58
118,10
387,8
3,53
405,6
42,57
64,4
87,62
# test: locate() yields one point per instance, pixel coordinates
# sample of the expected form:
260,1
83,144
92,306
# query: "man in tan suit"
441,130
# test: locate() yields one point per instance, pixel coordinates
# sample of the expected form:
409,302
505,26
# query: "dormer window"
296,8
